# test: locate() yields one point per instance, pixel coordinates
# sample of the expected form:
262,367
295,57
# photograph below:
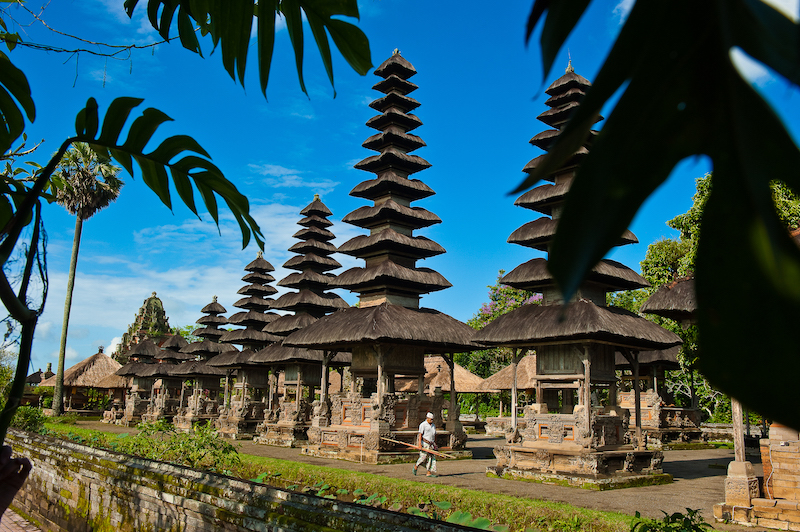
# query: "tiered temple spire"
388,333
303,368
575,344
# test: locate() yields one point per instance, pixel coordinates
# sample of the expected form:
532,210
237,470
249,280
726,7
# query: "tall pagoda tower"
244,405
202,405
388,333
303,369
575,340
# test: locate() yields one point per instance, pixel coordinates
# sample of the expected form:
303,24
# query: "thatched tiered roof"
211,321
390,284
666,358
675,300
254,317
387,323
586,317
311,301
88,373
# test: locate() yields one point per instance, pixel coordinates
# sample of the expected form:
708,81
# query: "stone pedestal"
741,485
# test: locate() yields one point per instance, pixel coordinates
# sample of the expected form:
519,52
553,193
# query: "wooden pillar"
738,430
692,393
514,363
323,391
299,395
421,384
453,393
227,388
637,393
587,387
273,383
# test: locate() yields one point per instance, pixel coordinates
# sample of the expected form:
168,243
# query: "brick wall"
77,488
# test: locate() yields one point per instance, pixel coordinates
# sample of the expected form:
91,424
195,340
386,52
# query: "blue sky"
481,89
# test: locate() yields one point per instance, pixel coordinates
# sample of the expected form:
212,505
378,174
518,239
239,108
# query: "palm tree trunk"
58,390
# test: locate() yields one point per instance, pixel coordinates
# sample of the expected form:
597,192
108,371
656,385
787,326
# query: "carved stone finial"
100,351
396,51
260,254
316,197
153,295
569,67
215,299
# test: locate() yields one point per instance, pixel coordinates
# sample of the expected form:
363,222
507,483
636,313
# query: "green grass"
518,513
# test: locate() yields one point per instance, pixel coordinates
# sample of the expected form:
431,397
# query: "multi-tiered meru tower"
388,333
304,370
565,434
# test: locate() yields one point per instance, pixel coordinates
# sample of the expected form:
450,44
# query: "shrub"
29,418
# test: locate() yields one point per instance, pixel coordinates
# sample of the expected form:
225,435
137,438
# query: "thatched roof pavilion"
389,333
576,340
504,379
87,373
35,378
675,301
437,375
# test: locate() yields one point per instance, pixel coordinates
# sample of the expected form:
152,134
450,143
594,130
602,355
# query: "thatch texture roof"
174,343
206,348
416,246
147,348
414,217
503,379
413,189
289,323
307,278
87,373
110,382
386,323
540,232
676,301
666,358
389,273
532,325
279,354
195,368
232,359
437,374
534,275
259,265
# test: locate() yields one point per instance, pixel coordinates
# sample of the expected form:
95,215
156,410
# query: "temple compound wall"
77,488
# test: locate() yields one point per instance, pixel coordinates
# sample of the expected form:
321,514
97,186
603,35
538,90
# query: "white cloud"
622,9
281,177
112,345
273,170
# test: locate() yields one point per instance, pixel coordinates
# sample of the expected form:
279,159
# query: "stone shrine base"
283,435
621,467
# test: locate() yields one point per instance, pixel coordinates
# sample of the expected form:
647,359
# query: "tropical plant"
702,106
179,159
691,521
77,188
29,418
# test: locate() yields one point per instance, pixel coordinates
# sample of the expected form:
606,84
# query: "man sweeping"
426,440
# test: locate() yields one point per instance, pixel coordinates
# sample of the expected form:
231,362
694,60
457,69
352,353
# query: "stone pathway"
12,522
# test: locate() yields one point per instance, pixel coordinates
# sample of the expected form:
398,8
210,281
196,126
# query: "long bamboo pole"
417,447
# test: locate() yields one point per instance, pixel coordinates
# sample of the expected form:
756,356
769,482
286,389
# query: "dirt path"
699,478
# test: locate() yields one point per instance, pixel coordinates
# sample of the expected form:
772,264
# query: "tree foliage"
502,299
702,106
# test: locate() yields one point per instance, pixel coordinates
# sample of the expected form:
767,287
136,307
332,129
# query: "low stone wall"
77,488
724,431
